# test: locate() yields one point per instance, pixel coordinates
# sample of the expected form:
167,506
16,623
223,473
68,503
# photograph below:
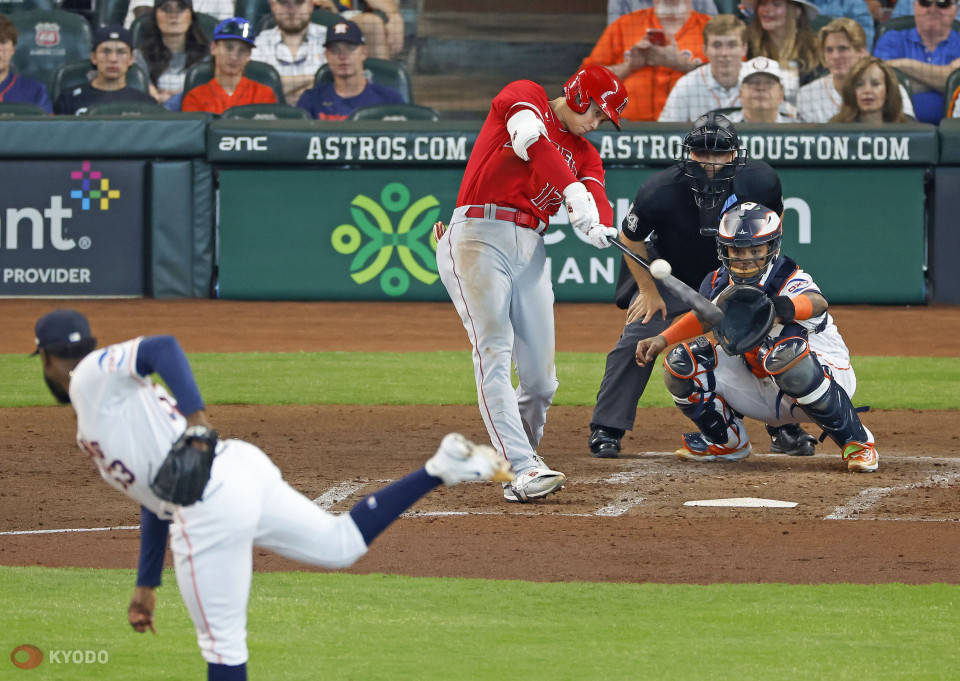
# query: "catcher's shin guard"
830,407
690,379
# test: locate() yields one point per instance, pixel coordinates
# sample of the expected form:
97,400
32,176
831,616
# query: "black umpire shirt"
78,99
665,206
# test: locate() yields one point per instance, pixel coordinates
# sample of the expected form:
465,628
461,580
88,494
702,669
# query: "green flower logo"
372,220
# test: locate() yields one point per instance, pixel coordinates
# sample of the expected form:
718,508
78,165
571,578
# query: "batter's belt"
492,211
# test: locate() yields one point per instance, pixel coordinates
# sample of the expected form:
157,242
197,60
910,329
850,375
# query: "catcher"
781,358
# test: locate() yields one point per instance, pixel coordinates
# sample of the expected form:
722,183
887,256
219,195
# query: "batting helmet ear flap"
598,84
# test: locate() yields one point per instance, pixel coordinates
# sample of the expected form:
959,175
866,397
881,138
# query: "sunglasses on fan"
941,4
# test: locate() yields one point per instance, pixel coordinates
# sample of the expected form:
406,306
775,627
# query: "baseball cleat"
604,444
459,460
861,457
696,447
535,483
791,439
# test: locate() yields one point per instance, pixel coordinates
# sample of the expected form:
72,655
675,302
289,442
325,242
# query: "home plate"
743,502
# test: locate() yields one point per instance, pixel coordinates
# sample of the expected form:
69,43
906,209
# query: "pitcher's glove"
748,316
186,470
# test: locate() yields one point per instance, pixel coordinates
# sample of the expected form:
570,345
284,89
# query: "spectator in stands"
842,43
871,94
294,47
231,47
617,8
221,9
172,42
112,56
927,53
780,30
715,85
380,21
350,88
761,93
650,50
13,86
851,9
889,9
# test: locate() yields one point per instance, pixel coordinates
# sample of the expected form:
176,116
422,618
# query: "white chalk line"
849,511
869,497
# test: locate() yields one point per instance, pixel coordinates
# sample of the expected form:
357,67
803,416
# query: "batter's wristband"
789,309
688,326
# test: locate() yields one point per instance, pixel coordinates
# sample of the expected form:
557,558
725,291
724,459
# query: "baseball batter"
781,358
127,425
529,157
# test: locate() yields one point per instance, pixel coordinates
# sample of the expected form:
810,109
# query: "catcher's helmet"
712,132
600,85
746,226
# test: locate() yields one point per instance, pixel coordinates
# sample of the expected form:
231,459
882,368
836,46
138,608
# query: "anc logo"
372,220
92,186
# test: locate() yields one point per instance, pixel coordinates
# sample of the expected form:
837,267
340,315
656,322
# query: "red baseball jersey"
495,174
211,96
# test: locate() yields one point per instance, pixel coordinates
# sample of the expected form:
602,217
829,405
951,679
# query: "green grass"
447,378
336,626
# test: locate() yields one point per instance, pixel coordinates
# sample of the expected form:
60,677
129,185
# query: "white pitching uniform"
127,425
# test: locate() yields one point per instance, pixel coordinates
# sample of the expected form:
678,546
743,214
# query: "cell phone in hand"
657,37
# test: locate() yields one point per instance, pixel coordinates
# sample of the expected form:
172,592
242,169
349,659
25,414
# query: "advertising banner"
72,228
325,234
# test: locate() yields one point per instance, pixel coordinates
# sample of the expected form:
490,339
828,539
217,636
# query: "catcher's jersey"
124,422
495,174
785,278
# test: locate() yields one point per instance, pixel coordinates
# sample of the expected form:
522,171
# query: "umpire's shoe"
791,439
605,442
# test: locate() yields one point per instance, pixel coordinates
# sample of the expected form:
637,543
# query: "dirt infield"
617,520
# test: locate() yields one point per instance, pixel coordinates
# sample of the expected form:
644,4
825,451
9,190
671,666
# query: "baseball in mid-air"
660,269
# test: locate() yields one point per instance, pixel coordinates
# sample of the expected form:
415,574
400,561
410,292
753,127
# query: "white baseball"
660,269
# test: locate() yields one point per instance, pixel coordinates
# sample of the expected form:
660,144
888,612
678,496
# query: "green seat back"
111,12
396,112
48,39
9,7
77,73
381,71
202,72
268,112
253,11
10,109
126,109
953,82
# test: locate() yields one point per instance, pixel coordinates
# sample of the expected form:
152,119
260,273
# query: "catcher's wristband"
789,309
688,326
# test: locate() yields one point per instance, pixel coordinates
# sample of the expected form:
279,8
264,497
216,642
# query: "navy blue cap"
234,28
344,32
60,329
112,32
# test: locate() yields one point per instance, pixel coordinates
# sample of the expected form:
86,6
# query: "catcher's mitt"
186,470
748,316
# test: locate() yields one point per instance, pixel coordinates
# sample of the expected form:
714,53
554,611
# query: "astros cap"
234,28
60,329
761,65
344,32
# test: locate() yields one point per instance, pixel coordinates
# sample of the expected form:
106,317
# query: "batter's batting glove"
439,229
600,236
581,207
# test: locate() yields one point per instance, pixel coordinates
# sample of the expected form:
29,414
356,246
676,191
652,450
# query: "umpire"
675,216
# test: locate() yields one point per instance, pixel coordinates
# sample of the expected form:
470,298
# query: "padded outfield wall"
314,210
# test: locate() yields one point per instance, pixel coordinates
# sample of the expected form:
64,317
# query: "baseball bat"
703,308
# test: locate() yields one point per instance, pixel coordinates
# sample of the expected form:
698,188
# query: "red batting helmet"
600,85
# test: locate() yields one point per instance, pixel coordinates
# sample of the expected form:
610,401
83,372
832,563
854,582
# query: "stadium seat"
395,112
111,12
77,73
266,112
207,23
48,40
253,11
953,82
9,7
202,72
10,109
126,109
319,16
382,71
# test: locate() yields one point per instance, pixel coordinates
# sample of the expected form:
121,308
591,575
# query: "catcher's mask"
748,316
711,133
600,85
749,226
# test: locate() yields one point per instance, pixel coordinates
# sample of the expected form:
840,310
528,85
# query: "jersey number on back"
115,469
